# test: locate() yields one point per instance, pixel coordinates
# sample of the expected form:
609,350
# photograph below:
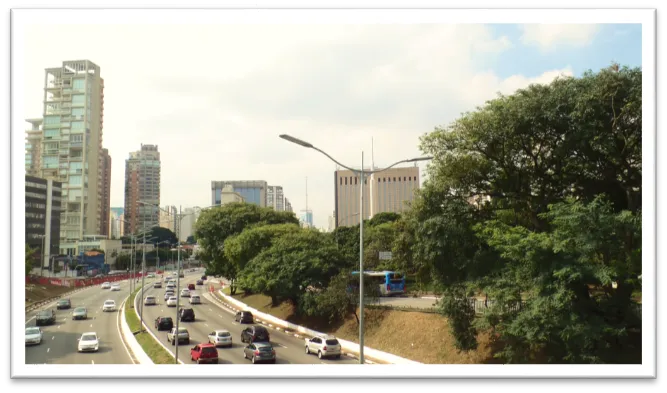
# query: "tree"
240,249
384,217
378,238
160,234
296,262
190,240
29,256
215,225
535,200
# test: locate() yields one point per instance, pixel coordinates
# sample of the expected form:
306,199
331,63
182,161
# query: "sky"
215,98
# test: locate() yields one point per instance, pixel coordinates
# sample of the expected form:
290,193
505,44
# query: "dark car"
204,353
244,317
46,317
255,333
200,282
63,304
260,352
203,278
191,287
187,315
164,323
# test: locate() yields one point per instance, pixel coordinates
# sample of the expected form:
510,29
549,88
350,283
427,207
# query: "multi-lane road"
60,341
210,316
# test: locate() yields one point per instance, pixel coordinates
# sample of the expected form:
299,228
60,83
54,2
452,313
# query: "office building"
33,148
166,219
116,218
71,145
390,191
42,217
228,195
252,191
306,218
275,198
142,184
331,221
190,216
288,206
106,193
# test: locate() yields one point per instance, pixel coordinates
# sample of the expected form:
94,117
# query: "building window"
77,125
79,84
355,181
384,180
394,179
346,184
78,99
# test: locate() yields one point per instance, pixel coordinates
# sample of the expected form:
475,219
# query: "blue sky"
619,43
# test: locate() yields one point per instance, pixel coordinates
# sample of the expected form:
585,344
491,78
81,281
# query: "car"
170,287
33,335
89,342
260,352
203,278
187,315
220,337
164,323
200,282
109,305
243,317
115,287
324,346
63,304
106,285
168,294
80,313
157,284
150,300
204,353
150,275
191,287
183,335
195,299
45,317
172,301
255,333
185,292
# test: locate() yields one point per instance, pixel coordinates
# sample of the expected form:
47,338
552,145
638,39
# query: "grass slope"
152,348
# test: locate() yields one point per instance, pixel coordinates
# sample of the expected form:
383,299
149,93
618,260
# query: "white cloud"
215,98
551,36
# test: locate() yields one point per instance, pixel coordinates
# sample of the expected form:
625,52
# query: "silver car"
323,346
80,313
195,299
150,301
168,294
33,335
260,352
220,337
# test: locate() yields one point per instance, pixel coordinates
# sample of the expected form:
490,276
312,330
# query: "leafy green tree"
160,234
383,217
296,262
190,240
378,238
29,256
215,225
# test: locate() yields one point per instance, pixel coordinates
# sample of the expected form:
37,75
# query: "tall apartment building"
106,193
43,198
252,191
33,148
166,219
142,183
275,198
288,206
70,146
190,216
386,191
116,227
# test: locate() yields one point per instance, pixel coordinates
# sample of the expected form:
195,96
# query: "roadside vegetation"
533,200
152,348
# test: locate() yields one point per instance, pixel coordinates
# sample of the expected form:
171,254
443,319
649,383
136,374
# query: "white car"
172,301
220,337
324,346
109,305
106,285
150,300
195,299
33,335
89,342
185,292
115,287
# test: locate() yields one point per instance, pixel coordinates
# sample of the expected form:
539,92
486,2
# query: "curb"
127,336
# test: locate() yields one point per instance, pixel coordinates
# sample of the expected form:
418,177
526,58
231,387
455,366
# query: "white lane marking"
206,324
58,326
91,325
47,350
210,310
92,361
53,337
31,318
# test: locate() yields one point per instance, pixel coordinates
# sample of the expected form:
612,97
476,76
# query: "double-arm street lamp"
361,173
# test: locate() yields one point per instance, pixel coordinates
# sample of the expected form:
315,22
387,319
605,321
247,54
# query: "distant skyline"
217,114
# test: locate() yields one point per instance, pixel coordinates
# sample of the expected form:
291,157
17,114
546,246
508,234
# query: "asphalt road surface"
60,341
210,316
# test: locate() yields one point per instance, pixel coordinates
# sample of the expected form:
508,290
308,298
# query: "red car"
191,287
204,353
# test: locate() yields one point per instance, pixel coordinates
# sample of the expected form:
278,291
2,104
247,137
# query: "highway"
60,341
210,316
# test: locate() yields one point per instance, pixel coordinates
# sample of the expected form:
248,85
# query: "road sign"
385,255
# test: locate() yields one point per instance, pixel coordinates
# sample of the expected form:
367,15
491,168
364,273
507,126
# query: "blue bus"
389,282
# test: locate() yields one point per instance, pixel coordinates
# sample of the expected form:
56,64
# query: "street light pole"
361,222
143,275
178,282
